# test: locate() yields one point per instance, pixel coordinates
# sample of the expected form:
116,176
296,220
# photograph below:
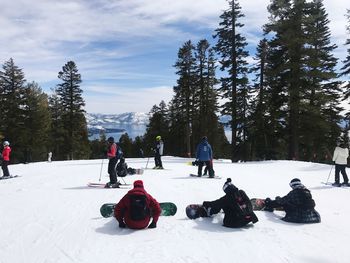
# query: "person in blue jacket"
204,155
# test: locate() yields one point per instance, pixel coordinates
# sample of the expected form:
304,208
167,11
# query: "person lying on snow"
136,209
298,204
123,169
237,207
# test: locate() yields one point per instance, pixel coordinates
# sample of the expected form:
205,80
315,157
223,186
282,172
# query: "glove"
153,225
122,224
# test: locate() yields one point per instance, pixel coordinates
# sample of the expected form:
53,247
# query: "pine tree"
321,95
37,123
12,82
231,47
70,98
346,67
185,90
57,130
259,115
158,125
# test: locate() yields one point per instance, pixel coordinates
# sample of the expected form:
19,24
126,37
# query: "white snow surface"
48,214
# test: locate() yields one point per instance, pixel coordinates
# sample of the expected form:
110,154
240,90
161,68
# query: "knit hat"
295,183
229,187
138,183
110,140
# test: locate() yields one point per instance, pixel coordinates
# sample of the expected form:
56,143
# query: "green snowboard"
168,209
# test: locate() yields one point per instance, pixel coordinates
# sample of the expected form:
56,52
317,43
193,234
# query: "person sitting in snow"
136,209
236,204
298,204
123,169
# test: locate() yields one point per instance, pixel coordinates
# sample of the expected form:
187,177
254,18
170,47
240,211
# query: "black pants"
111,170
158,160
208,166
340,168
5,169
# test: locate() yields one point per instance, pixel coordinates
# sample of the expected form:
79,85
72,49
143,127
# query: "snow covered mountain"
96,120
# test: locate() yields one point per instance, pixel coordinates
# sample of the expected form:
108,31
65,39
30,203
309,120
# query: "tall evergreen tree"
72,102
57,131
346,67
301,67
12,83
231,47
37,123
259,114
321,95
158,125
185,89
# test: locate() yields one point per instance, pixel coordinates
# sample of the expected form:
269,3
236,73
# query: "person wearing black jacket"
236,205
298,204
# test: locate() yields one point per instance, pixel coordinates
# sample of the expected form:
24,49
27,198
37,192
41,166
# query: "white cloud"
103,36
119,99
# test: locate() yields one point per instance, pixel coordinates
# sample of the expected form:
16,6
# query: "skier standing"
340,158
204,155
136,209
112,156
236,204
6,159
159,148
298,204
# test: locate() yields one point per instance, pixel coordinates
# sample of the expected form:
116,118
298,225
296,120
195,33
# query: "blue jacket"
204,152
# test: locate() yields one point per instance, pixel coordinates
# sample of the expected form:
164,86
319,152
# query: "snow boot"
336,184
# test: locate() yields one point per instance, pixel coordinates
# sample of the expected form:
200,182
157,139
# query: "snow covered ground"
50,215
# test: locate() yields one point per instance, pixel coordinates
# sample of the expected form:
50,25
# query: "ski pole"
329,173
147,163
335,159
101,170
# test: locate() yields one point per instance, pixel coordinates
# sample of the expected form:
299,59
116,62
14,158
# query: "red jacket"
122,209
6,153
112,150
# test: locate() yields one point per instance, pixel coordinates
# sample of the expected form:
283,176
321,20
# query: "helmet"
158,138
6,143
110,139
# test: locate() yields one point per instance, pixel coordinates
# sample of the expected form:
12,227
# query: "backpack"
138,207
244,206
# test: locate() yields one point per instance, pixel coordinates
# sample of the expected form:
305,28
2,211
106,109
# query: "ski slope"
50,215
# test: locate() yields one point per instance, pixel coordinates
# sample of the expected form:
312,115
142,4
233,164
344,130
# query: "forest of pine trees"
285,105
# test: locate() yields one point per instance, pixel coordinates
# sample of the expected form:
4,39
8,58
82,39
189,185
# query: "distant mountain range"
115,123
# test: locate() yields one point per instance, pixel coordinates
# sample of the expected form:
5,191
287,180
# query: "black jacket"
237,209
299,206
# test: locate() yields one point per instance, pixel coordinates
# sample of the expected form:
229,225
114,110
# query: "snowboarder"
159,147
298,204
204,155
340,158
112,156
236,205
123,169
6,159
136,209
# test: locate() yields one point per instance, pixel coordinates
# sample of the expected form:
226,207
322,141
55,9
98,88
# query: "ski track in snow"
50,215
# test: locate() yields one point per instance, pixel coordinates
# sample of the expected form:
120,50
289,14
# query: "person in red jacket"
136,209
6,158
113,160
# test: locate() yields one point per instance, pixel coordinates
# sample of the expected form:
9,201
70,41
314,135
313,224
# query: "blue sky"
124,49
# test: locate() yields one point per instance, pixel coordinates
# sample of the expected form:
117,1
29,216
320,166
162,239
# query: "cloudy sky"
124,49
